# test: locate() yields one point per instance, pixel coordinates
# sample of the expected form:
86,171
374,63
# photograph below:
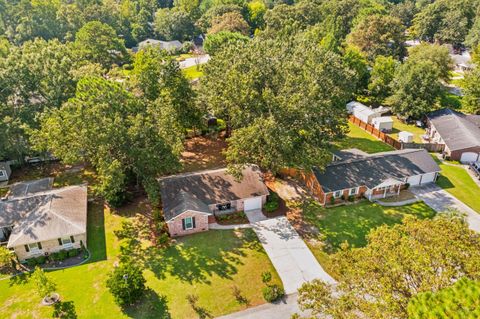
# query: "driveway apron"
289,254
440,200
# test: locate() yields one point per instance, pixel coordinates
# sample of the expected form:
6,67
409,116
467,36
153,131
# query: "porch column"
385,193
399,186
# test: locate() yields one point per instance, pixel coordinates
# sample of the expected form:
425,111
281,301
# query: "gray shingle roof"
198,190
27,188
373,169
459,131
45,215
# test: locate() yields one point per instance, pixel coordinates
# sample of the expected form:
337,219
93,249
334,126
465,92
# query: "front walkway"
440,200
293,260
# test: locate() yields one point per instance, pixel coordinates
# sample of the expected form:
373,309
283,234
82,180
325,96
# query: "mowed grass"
358,138
193,72
209,265
352,223
399,126
456,181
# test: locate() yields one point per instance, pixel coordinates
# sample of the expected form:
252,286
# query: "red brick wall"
360,193
175,225
456,155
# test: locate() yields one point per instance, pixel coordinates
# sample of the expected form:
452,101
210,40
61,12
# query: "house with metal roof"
355,174
191,201
38,220
458,131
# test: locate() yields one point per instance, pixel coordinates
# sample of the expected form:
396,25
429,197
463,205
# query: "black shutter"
60,242
39,245
72,239
183,224
27,249
193,222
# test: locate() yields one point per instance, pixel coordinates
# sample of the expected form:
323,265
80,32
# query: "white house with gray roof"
37,220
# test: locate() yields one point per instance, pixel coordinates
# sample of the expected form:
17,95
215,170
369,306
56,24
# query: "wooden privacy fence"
431,147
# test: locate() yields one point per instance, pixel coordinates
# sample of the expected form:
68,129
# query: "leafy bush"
272,203
73,252
407,185
332,200
31,262
221,125
126,283
40,260
59,255
266,277
351,198
273,293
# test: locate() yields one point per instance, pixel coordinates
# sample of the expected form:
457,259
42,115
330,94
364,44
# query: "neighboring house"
463,61
163,45
35,222
5,171
458,131
355,173
191,201
365,113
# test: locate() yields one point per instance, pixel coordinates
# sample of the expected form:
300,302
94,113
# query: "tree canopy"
399,263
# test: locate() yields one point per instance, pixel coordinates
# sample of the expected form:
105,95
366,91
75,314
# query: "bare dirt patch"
203,153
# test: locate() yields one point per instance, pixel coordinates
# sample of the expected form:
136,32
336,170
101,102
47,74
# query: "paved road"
293,260
201,59
441,200
281,310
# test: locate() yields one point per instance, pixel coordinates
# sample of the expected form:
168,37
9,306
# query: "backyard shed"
362,112
405,137
5,171
383,123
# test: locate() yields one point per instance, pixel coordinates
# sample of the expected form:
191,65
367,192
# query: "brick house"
191,201
459,132
354,173
37,220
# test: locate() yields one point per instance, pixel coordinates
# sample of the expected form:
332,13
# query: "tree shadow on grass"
64,310
150,306
20,279
444,182
197,257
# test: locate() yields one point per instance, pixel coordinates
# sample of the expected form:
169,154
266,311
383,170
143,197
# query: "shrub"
351,198
272,203
266,277
126,283
59,255
40,260
332,200
73,252
31,262
273,293
407,185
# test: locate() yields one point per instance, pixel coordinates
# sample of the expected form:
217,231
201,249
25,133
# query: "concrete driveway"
201,59
441,201
289,254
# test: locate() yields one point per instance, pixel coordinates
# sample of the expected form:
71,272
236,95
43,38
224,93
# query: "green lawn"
399,126
193,72
358,138
456,181
351,223
207,264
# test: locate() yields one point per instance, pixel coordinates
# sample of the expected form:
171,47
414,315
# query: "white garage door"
428,178
469,157
414,180
252,203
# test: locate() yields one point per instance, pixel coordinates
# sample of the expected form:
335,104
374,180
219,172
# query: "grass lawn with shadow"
358,138
352,223
399,126
456,181
193,72
209,265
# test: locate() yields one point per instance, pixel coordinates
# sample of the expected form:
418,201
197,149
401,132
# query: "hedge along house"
459,132
39,223
191,201
354,174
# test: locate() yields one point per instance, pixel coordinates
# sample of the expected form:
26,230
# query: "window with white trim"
337,194
34,247
67,242
353,191
188,223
